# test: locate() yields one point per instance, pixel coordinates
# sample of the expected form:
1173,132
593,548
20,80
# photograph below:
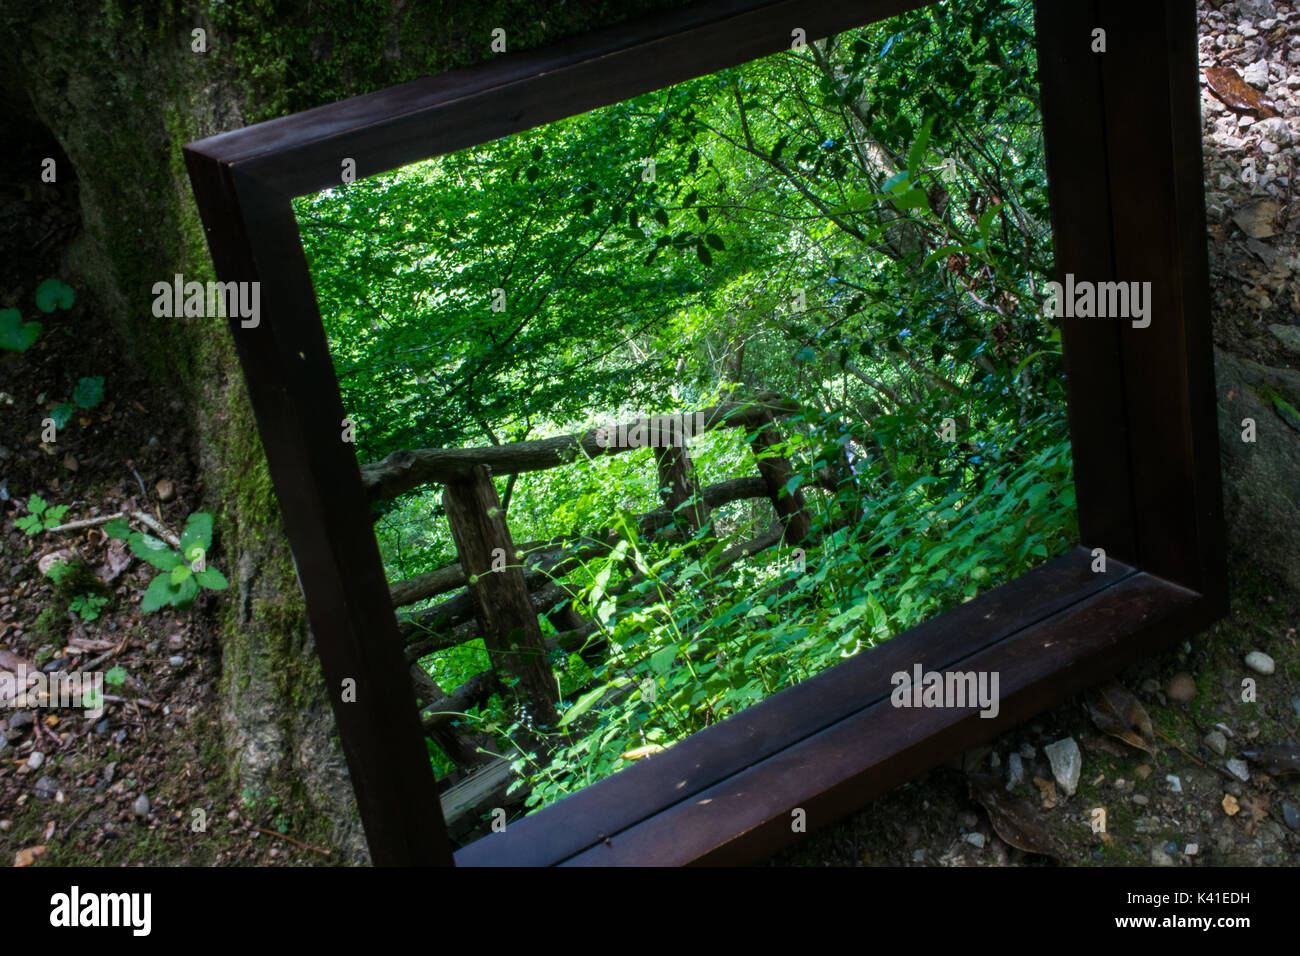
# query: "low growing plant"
184,572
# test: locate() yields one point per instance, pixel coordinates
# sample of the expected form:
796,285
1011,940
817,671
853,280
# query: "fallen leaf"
1118,713
1256,220
28,856
1277,759
116,560
1048,789
1015,820
1254,810
1227,84
1230,805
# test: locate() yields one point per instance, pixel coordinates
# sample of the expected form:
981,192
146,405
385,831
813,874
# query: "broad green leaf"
154,551
53,294
15,334
118,529
160,593
36,504
198,531
212,579
180,573
663,659
89,392
917,153
62,413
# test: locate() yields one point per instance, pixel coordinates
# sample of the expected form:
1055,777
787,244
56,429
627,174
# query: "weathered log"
406,469
477,690
428,585
680,490
464,750
776,473
504,608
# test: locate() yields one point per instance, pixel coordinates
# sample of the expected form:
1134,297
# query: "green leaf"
89,392
118,529
159,594
198,531
116,676
663,659
986,221
53,294
212,579
36,504
715,241
582,705
62,413
154,551
706,257
917,152
16,335
912,199
180,573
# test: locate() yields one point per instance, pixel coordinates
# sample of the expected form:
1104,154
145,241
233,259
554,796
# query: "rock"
1182,687
1175,783
1260,662
1238,769
35,760
176,642
1256,220
1291,814
975,840
1256,9
1143,771
918,856
1216,742
141,806
70,463
20,720
46,788
1274,130
1160,858
1256,74
1288,335
1141,800
101,728
1028,751
1015,771
1255,475
176,660
1192,849
1067,763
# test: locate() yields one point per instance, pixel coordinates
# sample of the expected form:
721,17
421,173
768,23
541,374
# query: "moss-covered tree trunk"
122,86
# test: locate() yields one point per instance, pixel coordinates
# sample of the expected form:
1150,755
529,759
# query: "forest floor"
122,789
81,800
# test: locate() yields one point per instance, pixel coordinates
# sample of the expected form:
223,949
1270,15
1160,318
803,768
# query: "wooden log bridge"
506,587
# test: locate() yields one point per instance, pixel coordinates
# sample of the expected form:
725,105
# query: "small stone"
35,760
1182,687
70,463
1239,769
976,840
1192,849
1143,771
5,825
1175,784
165,489
918,856
995,760
1140,799
1015,771
1160,858
176,642
1256,74
176,660
101,728
1291,814
45,788
141,806
1149,687
1067,763
1260,662
1216,742
1171,847
1028,751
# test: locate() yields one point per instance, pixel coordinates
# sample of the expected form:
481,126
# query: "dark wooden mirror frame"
1123,139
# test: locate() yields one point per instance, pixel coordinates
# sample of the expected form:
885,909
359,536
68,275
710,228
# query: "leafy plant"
88,393
87,605
183,571
53,294
116,676
15,334
42,517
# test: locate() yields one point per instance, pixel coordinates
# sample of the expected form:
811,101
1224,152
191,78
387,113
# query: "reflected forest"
669,406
